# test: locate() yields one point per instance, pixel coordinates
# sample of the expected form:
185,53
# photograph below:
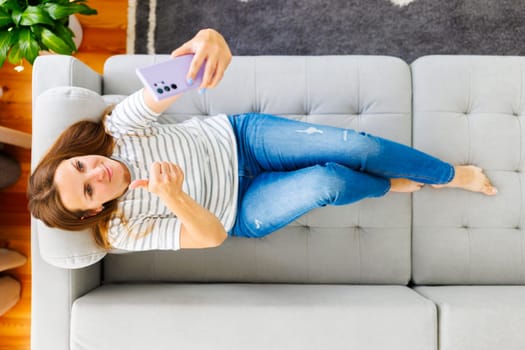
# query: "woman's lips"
108,171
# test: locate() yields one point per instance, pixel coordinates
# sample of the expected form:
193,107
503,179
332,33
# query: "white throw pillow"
54,111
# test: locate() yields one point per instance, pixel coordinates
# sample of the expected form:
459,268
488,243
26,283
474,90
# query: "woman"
140,185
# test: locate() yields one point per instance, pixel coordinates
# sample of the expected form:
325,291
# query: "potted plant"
28,27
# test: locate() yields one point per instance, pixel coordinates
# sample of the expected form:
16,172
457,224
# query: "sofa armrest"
55,289
60,70
53,292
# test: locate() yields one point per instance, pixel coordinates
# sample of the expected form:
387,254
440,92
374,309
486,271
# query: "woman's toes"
489,190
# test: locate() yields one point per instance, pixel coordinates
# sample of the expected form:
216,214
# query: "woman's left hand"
165,181
208,46
200,228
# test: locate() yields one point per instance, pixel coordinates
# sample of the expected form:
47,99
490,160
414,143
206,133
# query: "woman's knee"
251,226
340,185
329,181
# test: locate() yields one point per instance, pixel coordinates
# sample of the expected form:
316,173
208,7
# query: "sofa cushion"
369,93
303,252
239,316
54,111
368,242
469,110
479,317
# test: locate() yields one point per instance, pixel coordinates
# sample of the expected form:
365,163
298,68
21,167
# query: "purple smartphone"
168,78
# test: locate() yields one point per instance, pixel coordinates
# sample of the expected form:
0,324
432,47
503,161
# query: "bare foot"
404,185
470,178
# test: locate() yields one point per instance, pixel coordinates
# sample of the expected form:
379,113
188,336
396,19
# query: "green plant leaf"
10,5
84,9
65,34
5,18
58,11
6,41
28,45
37,30
15,54
35,15
30,26
16,16
54,43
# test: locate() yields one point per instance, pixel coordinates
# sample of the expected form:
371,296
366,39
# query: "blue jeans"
287,168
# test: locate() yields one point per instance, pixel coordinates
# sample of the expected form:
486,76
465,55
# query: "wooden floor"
104,35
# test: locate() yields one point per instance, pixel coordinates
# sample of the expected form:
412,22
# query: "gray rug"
323,27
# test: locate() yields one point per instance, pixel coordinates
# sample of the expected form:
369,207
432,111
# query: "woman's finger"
196,64
184,49
209,73
142,183
217,77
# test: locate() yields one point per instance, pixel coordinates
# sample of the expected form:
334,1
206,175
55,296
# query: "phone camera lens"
160,91
174,86
167,88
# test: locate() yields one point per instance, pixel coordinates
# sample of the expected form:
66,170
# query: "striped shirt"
204,149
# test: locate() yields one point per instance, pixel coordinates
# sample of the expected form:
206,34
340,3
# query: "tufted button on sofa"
439,269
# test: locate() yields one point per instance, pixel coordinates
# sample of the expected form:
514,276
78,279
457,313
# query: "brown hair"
81,139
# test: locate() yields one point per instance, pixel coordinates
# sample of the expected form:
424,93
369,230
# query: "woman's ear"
91,212
98,210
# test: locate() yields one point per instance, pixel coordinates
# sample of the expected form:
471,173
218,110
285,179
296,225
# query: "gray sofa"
439,269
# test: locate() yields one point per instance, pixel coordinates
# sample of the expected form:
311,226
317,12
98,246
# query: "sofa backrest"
368,242
469,110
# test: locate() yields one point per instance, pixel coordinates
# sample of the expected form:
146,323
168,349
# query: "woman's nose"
97,174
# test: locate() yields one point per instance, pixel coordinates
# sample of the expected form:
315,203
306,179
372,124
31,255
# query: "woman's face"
86,183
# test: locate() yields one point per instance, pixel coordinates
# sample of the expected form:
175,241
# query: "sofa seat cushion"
367,242
470,110
304,252
251,316
479,317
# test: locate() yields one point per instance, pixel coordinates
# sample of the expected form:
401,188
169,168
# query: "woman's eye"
80,166
89,190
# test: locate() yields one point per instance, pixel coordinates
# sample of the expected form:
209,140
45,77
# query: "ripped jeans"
287,168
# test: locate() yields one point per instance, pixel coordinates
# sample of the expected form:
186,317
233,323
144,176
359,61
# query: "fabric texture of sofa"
439,269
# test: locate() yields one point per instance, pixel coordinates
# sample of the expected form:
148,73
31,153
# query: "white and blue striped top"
204,149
